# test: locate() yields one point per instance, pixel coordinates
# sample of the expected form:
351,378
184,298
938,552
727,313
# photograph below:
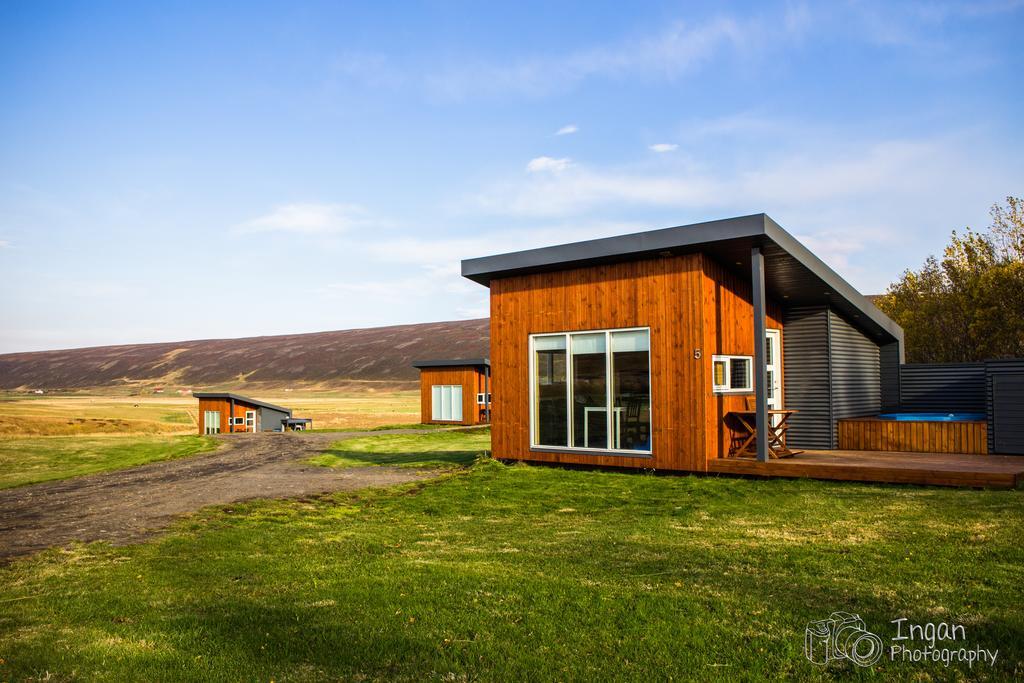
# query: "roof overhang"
453,363
240,399
793,275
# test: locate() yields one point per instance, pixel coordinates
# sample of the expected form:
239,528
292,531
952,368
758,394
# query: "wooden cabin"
455,391
638,351
226,413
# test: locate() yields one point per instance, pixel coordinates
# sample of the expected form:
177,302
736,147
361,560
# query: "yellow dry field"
80,414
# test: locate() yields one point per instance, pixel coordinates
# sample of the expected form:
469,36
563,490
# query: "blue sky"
197,170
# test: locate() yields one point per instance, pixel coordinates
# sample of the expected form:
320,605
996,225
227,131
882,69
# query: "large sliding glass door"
591,390
211,422
446,402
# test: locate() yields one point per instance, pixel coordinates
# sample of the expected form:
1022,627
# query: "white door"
773,361
250,420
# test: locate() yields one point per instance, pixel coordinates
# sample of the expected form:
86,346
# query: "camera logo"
841,636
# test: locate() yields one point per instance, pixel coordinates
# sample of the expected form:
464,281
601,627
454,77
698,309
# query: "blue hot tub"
933,417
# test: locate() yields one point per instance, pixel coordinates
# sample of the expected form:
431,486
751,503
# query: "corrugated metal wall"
856,373
270,419
889,361
806,376
943,387
1004,405
831,371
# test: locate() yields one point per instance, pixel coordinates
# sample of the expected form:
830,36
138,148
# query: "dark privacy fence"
995,388
943,388
832,371
1005,406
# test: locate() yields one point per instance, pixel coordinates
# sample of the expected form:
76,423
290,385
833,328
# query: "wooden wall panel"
913,437
729,330
469,378
663,294
223,405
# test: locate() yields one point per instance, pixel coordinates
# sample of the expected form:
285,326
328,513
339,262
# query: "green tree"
969,305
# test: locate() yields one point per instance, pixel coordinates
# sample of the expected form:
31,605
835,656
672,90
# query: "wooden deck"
936,469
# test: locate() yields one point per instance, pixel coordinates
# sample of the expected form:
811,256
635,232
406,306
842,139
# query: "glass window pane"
631,340
550,391
435,402
631,391
739,371
551,343
719,372
457,403
589,391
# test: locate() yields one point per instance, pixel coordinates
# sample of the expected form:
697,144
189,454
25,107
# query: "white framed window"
591,391
483,399
732,374
446,402
211,422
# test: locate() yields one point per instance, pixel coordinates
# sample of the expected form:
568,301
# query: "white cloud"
548,164
567,130
742,123
888,168
309,219
666,55
662,147
4,244
868,208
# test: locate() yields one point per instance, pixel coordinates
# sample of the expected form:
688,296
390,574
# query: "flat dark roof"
240,399
454,363
793,275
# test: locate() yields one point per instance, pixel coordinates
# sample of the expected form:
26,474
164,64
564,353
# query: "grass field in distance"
24,415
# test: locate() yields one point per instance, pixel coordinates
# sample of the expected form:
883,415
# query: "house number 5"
696,354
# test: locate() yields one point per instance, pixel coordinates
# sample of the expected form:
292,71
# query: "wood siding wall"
470,379
913,437
729,330
689,303
224,406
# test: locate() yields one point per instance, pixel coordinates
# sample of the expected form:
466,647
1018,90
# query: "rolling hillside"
323,359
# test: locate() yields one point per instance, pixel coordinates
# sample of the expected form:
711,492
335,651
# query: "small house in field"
727,347
455,391
226,413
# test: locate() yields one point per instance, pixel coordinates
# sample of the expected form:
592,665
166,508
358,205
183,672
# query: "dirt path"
133,504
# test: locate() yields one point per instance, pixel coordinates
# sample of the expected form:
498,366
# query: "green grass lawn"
441,449
502,573
44,458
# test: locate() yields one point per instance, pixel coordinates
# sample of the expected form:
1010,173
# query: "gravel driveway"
132,504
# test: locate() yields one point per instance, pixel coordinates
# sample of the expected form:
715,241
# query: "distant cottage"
455,391
226,413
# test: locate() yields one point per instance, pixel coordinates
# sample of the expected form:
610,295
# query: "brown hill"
323,359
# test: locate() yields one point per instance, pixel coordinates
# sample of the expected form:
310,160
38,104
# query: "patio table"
776,434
